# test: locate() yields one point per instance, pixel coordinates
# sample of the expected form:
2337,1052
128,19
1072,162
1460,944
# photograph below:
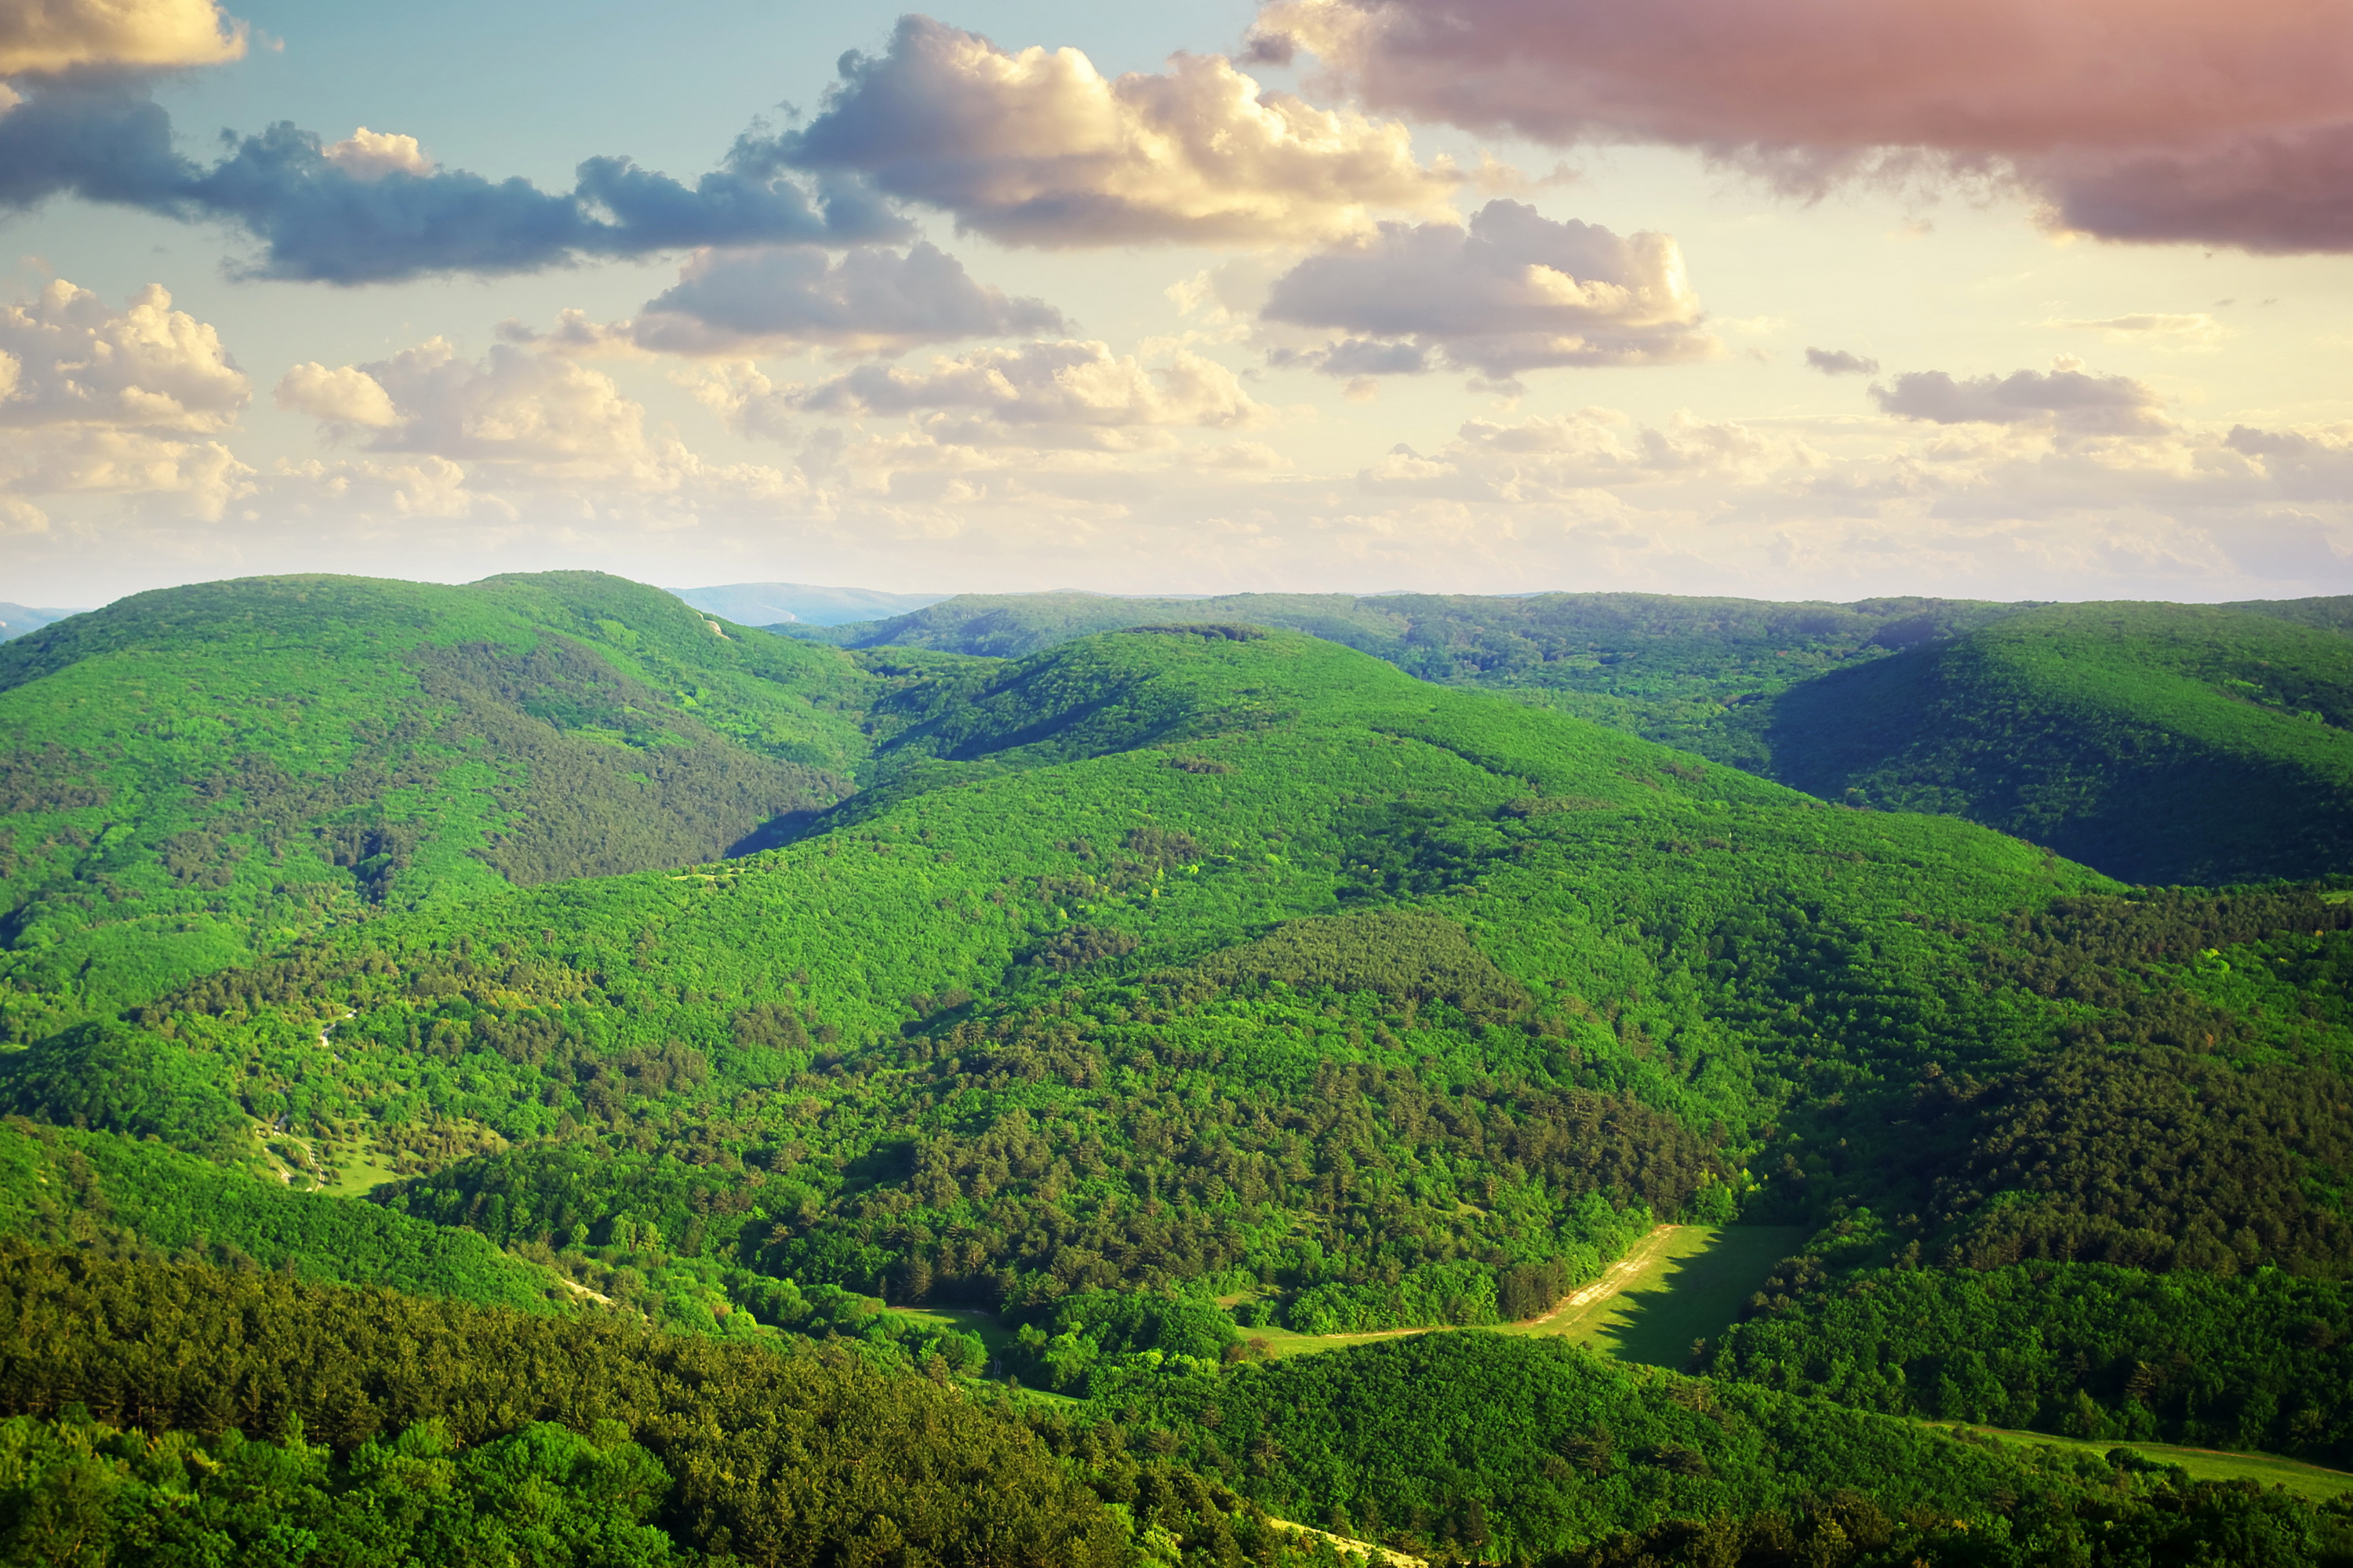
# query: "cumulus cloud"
67,360
95,401
541,413
780,298
1511,291
2190,121
1040,148
1838,362
345,396
2066,397
48,35
2156,329
368,155
1067,394
373,209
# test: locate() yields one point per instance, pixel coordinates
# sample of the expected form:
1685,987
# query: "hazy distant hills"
16,619
765,604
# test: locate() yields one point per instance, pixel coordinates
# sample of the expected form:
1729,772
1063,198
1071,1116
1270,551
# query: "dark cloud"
2073,401
870,300
2199,122
1838,362
2271,194
316,220
1512,291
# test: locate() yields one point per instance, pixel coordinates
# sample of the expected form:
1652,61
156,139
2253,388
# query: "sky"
1788,299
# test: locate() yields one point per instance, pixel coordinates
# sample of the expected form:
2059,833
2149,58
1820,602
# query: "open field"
2203,1464
1678,1284
1689,1284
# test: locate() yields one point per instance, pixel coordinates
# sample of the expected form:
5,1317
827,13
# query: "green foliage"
116,1078
2129,1524
195,774
77,1491
2160,743
1500,1445
780,1458
143,1200
2260,1361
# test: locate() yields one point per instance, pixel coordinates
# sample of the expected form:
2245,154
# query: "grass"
1684,1283
2203,1464
1690,1286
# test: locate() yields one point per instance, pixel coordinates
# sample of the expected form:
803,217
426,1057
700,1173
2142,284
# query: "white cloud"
368,155
71,362
1040,394
48,36
1040,148
1512,290
782,298
346,396
2153,329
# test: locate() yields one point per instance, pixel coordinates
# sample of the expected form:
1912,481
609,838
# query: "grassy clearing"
1689,1284
2203,1464
1678,1284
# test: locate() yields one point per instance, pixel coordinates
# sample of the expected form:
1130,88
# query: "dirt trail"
1615,1278
1369,1549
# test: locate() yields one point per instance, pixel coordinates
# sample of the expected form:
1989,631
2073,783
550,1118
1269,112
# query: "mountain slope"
1686,671
2162,743
192,774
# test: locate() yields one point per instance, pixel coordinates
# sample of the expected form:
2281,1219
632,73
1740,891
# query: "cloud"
94,401
1838,362
1039,148
541,413
348,396
2065,397
2197,331
368,155
51,35
2275,193
870,301
372,208
2184,122
1512,291
67,360
1067,394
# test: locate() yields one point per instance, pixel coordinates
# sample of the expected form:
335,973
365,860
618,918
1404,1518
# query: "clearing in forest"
1685,1283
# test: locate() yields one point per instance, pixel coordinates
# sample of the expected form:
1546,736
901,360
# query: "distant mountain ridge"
16,619
803,604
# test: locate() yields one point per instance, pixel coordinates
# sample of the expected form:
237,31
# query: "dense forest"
1138,1095
2160,743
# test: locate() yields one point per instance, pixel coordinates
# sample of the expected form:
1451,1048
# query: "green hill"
1122,998
1686,671
2160,743
194,775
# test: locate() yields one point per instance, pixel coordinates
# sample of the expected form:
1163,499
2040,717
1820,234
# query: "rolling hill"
1110,1001
194,775
2160,743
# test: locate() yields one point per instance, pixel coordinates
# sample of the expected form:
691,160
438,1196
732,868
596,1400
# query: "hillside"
1125,998
194,775
1686,672
2160,743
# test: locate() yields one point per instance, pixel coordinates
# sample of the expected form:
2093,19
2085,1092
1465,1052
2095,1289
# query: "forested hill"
1149,990
2160,743
1682,670
190,775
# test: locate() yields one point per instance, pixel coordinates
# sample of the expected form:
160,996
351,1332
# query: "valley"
1169,1082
